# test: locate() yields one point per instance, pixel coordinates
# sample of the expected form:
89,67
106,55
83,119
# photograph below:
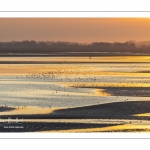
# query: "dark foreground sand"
118,110
46,126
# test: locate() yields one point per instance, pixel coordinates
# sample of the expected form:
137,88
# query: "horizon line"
37,41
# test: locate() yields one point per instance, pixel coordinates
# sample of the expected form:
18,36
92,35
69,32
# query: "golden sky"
83,30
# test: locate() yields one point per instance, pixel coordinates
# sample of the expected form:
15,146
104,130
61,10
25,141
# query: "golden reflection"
78,59
23,110
24,69
101,92
144,115
73,70
117,128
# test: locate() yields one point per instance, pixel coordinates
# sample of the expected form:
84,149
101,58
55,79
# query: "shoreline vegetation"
33,48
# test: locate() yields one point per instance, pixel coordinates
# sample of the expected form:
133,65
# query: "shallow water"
73,84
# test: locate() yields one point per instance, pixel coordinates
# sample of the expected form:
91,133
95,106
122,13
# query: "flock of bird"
91,77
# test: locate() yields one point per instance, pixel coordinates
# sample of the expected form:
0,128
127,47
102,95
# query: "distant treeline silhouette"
54,47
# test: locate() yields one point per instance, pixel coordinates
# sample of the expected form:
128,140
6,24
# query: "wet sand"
116,110
30,110
110,111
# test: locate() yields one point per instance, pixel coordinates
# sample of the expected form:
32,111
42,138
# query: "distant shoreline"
75,54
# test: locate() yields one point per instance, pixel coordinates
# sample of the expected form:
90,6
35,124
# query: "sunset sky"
82,30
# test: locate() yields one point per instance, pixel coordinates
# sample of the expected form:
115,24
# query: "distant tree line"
54,47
